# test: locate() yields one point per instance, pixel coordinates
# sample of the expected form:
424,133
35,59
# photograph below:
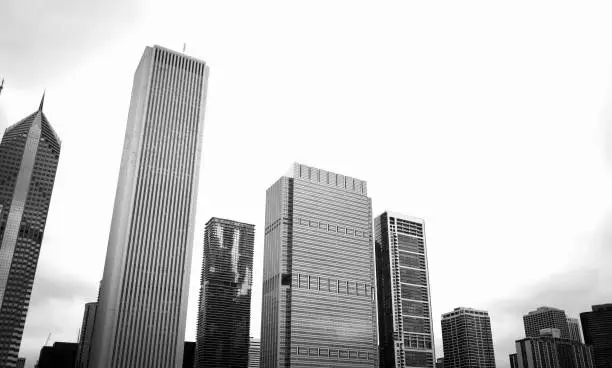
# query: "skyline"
532,190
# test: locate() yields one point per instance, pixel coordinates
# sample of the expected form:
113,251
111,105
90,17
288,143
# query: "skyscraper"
405,330
87,330
141,316
225,295
513,361
545,317
29,154
318,279
254,353
467,339
551,351
597,329
573,326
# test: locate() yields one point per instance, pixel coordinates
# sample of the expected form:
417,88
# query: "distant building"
573,325
467,339
189,354
405,329
440,363
21,362
225,295
513,361
545,317
254,352
87,330
547,351
597,329
60,355
29,155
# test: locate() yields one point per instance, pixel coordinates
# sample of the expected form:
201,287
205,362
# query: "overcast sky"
490,120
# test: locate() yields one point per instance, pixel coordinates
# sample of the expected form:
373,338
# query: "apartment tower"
405,329
545,317
573,326
225,295
29,154
318,279
140,321
467,339
87,330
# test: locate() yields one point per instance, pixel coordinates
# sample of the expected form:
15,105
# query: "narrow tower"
405,329
318,305
141,315
467,339
29,154
225,295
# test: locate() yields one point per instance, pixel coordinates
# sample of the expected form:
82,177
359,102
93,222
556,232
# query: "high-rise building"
545,317
573,326
29,154
60,355
405,329
225,295
254,353
141,315
318,280
597,329
189,354
467,339
21,362
513,361
549,351
440,363
87,330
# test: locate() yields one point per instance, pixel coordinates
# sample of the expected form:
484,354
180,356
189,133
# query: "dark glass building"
597,331
60,355
87,330
467,339
318,306
546,317
405,329
513,361
225,295
29,154
189,354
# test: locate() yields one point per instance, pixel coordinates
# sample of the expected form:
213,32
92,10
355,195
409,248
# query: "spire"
2,85
42,100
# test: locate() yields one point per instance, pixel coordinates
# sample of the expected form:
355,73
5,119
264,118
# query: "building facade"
254,352
87,330
573,326
545,317
60,355
318,307
225,295
467,339
29,155
141,316
21,362
405,328
513,360
597,329
552,352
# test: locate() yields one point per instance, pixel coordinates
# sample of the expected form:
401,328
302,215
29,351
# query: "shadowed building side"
29,155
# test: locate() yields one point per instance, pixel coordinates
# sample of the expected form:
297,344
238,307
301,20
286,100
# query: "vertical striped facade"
140,322
467,339
318,303
405,327
87,330
224,315
552,352
29,155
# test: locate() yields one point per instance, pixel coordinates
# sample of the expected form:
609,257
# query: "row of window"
332,227
332,353
330,285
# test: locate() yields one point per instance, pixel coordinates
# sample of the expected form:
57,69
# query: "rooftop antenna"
184,46
2,86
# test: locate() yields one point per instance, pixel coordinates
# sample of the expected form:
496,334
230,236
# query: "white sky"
490,120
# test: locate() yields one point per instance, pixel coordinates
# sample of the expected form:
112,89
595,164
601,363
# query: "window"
343,354
333,353
323,352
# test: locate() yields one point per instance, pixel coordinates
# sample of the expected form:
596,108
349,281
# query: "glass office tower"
142,310
225,295
405,329
29,154
318,304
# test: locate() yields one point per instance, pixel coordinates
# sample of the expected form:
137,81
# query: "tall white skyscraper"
405,330
140,321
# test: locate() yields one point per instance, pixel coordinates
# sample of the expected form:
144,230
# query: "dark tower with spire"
29,154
